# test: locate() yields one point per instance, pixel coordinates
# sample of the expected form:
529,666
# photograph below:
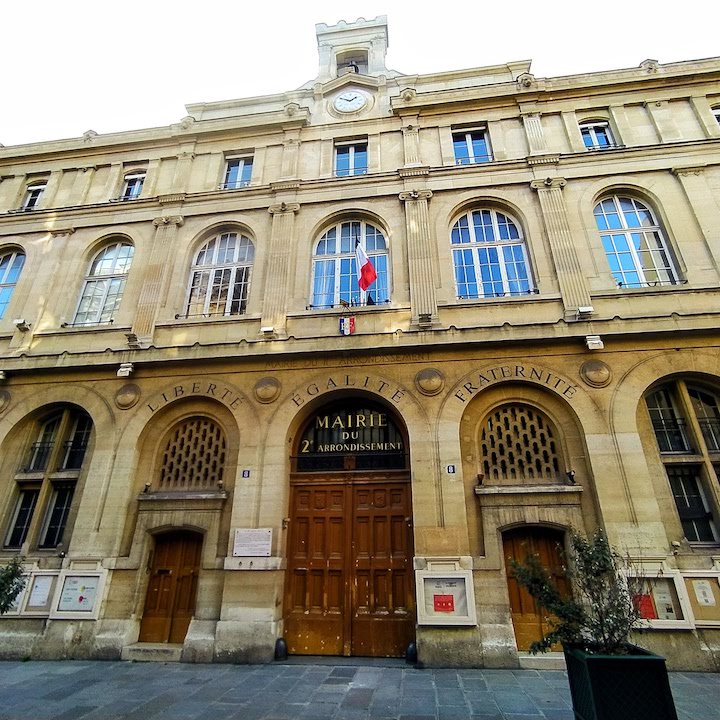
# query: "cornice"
525,87
646,330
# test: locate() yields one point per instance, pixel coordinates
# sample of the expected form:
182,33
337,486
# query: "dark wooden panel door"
350,588
317,556
383,618
528,619
170,601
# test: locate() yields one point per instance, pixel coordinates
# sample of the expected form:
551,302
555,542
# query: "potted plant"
610,678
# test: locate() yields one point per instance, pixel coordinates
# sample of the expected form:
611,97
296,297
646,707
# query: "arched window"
11,263
519,446
104,284
686,420
46,479
489,256
335,266
220,276
193,456
634,243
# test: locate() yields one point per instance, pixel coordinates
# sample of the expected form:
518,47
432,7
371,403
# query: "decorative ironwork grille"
194,457
518,445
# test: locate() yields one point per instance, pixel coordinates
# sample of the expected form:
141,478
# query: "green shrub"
12,581
602,613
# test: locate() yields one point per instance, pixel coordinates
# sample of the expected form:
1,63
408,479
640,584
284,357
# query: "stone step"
152,652
542,661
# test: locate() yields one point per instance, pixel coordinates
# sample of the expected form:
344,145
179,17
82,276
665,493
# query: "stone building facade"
212,438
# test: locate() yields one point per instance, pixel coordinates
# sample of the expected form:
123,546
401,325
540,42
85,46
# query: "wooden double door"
170,601
350,588
530,621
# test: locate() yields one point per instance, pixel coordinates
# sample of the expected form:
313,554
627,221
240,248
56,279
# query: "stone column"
573,286
278,267
423,302
156,273
706,209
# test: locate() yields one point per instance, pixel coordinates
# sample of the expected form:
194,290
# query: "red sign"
444,603
645,606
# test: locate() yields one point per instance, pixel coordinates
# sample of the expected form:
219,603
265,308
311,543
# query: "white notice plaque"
253,542
79,593
704,593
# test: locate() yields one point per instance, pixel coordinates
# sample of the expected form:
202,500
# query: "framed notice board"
445,597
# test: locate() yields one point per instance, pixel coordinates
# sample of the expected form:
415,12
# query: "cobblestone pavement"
155,691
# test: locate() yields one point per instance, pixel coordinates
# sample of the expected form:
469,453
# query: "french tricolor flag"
347,326
365,270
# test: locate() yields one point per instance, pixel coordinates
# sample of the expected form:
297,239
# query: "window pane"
24,509
57,516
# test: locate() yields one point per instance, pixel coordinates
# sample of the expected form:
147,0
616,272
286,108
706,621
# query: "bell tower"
357,47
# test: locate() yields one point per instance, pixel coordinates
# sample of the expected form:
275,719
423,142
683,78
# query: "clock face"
350,101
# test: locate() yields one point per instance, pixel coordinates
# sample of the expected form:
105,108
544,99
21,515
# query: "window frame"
592,127
716,113
475,248
216,271
697,463
10,276
618,242
355,148
339,267
132,189
465,136
106,282
242,162
46,486
33,193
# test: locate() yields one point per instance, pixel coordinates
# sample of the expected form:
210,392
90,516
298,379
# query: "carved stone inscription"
540,376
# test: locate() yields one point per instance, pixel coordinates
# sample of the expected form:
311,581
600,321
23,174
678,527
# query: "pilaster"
534,133
705,207
663,120
411,143
156,273
182,170
112,187
421,260
704,115
291,154
573,287
278,268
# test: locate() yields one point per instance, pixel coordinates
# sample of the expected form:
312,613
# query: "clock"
350,101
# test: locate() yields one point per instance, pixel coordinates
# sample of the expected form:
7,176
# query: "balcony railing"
73,455
38,457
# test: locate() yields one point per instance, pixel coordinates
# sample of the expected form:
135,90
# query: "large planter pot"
619,687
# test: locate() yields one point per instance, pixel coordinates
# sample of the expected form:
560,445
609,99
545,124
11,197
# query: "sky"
75,65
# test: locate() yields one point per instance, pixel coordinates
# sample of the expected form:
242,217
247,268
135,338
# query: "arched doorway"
350,588
170,600
529,621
